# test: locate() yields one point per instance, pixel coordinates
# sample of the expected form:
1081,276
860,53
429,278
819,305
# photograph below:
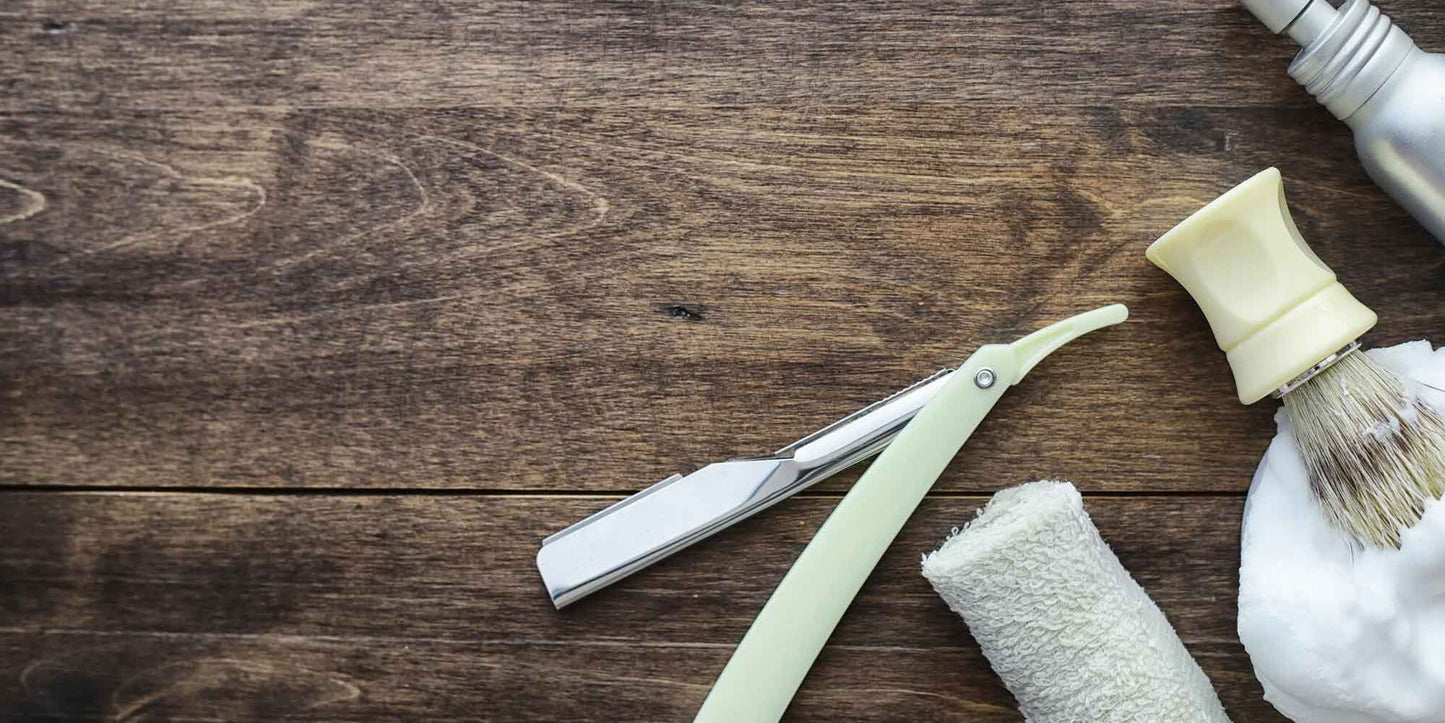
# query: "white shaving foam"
1339,634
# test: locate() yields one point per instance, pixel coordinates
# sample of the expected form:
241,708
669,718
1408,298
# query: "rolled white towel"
1071,634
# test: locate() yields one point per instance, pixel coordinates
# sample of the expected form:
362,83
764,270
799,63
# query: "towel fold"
1071,634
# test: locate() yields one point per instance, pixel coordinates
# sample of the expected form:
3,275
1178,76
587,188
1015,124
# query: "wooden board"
315,318
376,299
556,53
383,607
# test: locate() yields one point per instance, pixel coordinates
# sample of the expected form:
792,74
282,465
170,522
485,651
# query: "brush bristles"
1374,451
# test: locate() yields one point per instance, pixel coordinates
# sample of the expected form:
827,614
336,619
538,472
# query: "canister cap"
1275,308
1277,14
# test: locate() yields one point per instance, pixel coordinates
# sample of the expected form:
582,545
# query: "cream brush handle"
777,651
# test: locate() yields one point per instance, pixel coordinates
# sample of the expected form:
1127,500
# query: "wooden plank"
136,677
383,54
384,607
592,300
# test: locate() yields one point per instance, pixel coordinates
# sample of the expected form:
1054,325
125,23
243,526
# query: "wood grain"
342,603
519,301
316,317
451,53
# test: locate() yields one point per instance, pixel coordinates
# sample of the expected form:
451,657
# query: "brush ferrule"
1310,373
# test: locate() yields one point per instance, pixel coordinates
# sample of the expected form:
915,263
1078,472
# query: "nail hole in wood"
681,311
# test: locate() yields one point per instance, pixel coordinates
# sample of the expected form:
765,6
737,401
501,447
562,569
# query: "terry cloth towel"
1071,634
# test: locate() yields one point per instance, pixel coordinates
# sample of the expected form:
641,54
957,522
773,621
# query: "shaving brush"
1374,451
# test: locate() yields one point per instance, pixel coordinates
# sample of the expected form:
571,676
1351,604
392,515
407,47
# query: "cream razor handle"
777,651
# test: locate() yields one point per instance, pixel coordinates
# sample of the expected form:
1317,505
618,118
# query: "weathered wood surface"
451,52
455,274
149,606
524,301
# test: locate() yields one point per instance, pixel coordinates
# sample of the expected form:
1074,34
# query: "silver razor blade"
682,510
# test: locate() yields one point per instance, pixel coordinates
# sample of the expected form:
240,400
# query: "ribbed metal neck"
1313,371
1352,59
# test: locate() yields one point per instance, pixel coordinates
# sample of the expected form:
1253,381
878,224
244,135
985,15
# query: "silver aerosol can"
1369,73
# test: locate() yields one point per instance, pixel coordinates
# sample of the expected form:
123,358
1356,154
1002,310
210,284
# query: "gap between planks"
485,492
